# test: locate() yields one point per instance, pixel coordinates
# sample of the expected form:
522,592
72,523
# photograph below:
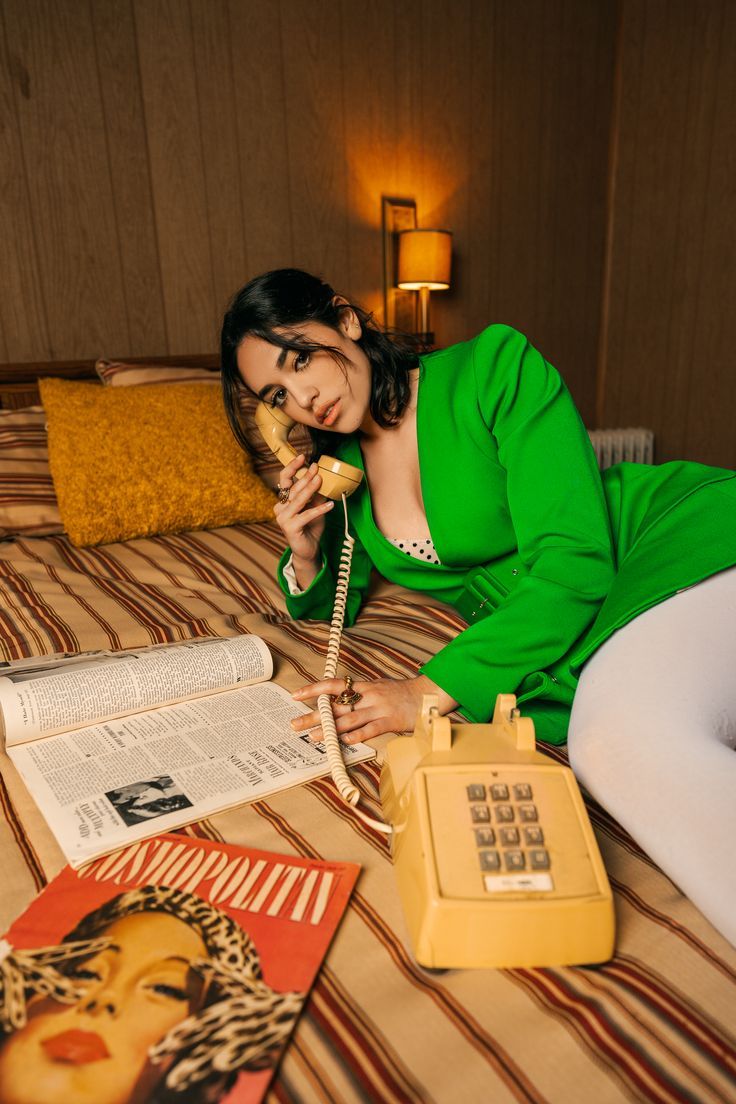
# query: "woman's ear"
349,322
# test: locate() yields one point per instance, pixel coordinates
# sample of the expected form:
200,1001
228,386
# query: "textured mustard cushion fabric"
135,461
121,373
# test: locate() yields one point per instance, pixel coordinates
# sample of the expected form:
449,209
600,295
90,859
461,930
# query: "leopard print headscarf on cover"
242,1026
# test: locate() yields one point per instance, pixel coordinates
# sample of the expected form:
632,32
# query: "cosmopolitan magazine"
173,970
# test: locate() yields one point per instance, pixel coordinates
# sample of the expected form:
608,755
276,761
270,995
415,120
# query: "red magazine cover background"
290,952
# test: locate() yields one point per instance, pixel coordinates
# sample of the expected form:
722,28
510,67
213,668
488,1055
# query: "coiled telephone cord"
340,777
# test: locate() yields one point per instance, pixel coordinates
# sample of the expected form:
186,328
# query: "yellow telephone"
496,861
338,478
495,857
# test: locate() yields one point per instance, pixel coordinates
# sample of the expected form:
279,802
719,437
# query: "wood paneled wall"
154,154
669,328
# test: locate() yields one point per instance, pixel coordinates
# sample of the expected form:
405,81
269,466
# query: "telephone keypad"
509,848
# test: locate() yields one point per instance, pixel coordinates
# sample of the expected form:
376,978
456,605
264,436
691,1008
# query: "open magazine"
173,970
116,747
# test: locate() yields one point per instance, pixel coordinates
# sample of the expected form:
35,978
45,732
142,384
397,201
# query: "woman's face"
95,1052
312,388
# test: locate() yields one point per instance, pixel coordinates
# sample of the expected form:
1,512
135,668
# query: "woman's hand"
386,705
302,518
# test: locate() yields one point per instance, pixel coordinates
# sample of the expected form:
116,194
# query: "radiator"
614,445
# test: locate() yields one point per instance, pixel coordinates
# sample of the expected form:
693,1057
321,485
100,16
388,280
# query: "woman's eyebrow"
279,364
169,958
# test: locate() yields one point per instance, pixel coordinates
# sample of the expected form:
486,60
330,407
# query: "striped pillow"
28,505
118,373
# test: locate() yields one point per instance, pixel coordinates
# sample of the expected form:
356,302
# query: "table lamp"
424,266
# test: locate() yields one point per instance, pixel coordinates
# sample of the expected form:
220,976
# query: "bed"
654,1024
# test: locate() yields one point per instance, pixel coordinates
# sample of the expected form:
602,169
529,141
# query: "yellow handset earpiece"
338,478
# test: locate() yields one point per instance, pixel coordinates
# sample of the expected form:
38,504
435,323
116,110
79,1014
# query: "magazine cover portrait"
118,988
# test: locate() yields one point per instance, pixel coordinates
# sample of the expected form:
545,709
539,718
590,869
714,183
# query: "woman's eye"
278,398
173,992
301,360
83,974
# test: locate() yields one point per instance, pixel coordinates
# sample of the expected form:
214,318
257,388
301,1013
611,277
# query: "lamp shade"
424,259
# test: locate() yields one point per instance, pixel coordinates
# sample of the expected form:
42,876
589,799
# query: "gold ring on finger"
348,696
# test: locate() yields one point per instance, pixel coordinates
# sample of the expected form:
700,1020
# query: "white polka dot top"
419,549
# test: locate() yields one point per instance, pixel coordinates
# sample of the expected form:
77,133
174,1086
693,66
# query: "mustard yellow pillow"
121,373
135,461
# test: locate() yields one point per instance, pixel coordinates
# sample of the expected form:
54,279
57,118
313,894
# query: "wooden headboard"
19,382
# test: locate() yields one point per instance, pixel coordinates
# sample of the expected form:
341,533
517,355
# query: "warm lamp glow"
424,259
424,266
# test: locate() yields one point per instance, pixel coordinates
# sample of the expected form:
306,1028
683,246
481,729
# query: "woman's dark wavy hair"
285,299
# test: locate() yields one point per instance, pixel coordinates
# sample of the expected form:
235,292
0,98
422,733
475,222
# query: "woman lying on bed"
481,489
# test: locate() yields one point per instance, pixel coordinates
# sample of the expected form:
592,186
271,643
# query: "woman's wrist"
446,703
305,570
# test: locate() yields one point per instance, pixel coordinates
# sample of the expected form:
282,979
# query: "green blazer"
541,553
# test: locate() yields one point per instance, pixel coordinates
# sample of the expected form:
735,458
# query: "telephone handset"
338,478
338,481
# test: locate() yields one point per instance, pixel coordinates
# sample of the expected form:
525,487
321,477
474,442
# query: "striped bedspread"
655,1024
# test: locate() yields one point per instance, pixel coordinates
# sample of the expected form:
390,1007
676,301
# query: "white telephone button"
518,883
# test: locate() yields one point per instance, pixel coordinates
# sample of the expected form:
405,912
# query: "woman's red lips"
328,413
75,1047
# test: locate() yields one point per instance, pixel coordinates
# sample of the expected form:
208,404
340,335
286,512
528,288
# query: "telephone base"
496,861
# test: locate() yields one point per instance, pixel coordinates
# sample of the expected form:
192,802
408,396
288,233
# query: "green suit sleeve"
317,601
559,515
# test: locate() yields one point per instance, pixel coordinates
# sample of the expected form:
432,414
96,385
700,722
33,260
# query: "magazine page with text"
40,698
106,785
172,970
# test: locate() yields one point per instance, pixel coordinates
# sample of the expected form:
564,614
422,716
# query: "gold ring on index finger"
282,493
